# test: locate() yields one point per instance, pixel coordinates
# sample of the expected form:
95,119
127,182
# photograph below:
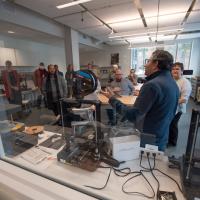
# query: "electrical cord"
101,188
122,173
151,170
171,179
141,156
167,176
127,171
139,193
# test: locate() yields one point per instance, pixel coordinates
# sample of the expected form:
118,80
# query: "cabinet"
104,75
195,82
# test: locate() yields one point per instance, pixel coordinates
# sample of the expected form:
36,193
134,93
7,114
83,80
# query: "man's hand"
108,93
136,93
116,89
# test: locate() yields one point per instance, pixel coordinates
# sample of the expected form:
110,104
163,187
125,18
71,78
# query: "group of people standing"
53,85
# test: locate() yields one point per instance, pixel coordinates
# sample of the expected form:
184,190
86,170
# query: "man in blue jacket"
156,104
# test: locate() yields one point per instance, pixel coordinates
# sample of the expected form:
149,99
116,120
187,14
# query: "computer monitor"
188,72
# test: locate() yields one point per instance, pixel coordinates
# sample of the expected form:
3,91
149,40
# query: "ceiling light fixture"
73,3
140,34
11,32
157,26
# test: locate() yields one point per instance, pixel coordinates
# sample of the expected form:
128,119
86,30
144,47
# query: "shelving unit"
104,75
195,82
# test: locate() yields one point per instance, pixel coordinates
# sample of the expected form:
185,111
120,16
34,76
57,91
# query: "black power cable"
151,170
127,171
167,175
101,188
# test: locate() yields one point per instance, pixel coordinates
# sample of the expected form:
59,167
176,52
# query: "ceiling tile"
28,34
48,7
121,15
166,20
194,17
97,31
114,42
139,39
150,7
163,38
118,13
100,4
174,6
197,5
75,21
127,26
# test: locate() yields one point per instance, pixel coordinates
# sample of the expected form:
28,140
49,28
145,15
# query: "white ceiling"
97,18
28,34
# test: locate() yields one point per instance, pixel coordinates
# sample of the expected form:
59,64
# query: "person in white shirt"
185,89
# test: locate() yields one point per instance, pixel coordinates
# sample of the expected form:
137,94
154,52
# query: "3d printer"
84,150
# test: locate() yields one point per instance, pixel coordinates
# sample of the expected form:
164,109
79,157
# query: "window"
181,53
171,49
138,57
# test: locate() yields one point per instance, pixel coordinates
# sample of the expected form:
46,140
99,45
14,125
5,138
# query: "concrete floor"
184,125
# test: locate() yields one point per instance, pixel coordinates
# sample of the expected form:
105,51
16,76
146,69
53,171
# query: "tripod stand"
190,162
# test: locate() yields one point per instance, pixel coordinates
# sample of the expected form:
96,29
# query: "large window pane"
183,54
171,49
180,52
138,58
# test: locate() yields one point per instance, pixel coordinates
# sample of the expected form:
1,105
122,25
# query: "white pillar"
72,48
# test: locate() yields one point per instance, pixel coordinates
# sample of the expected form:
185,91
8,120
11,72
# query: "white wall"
29,53
102,58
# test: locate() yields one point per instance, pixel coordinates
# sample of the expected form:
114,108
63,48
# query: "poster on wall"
114,58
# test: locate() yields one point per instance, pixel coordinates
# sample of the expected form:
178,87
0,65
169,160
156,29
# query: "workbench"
76,178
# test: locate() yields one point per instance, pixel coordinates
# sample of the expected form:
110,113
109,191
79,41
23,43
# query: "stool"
26,105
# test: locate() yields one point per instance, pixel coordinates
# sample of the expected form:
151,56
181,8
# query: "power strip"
152,153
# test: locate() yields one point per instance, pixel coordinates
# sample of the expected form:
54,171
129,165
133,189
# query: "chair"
26,104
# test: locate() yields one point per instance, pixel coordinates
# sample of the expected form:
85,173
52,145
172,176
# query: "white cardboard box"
125,148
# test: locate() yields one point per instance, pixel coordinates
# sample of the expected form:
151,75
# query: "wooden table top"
128,100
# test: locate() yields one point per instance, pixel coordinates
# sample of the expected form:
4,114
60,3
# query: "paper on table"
34,155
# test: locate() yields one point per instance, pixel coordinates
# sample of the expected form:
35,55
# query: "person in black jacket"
156,104
54,88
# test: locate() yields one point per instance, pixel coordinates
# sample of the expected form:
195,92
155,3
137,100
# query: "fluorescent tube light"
73,3
11,32
139,34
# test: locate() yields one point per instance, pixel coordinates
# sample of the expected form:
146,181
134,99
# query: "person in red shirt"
39,76
11,81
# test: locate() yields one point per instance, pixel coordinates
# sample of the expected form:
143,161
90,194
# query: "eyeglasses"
147,61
